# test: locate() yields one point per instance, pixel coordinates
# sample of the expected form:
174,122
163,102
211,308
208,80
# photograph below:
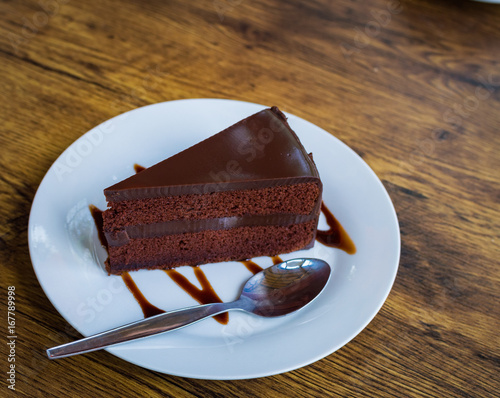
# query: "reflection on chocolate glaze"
336,236
147,308
205,295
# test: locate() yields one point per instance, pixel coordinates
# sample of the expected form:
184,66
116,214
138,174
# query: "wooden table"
412,86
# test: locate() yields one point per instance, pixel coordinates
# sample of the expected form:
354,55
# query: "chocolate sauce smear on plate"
138,168
276,260
205,295
336,236
147,308
97,216
255,268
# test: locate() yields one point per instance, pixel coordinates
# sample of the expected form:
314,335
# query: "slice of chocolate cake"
250,190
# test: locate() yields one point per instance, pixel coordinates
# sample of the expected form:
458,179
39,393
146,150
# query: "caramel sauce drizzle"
205,295
336,236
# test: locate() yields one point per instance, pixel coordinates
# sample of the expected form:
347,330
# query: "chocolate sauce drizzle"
276,260
97,216
255,268
205,295
148,309
138,168
336,236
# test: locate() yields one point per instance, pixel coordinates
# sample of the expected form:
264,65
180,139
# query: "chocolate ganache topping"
236,158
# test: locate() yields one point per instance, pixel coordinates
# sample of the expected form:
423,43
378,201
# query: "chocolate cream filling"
123,235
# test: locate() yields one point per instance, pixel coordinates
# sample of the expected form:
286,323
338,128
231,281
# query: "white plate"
66,253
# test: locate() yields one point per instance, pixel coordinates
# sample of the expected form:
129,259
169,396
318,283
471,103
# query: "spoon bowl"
286,287
278,290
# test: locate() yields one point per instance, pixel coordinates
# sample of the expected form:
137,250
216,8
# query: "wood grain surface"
412,86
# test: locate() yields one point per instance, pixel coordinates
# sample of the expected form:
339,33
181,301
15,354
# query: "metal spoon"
277,290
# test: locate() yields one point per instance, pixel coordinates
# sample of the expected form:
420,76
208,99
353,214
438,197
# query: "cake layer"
123,235
210,246
300,199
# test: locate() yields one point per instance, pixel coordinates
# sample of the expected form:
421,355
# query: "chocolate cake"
250,190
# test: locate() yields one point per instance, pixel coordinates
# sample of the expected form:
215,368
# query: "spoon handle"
143,328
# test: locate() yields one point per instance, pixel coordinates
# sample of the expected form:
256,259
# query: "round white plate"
67,257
